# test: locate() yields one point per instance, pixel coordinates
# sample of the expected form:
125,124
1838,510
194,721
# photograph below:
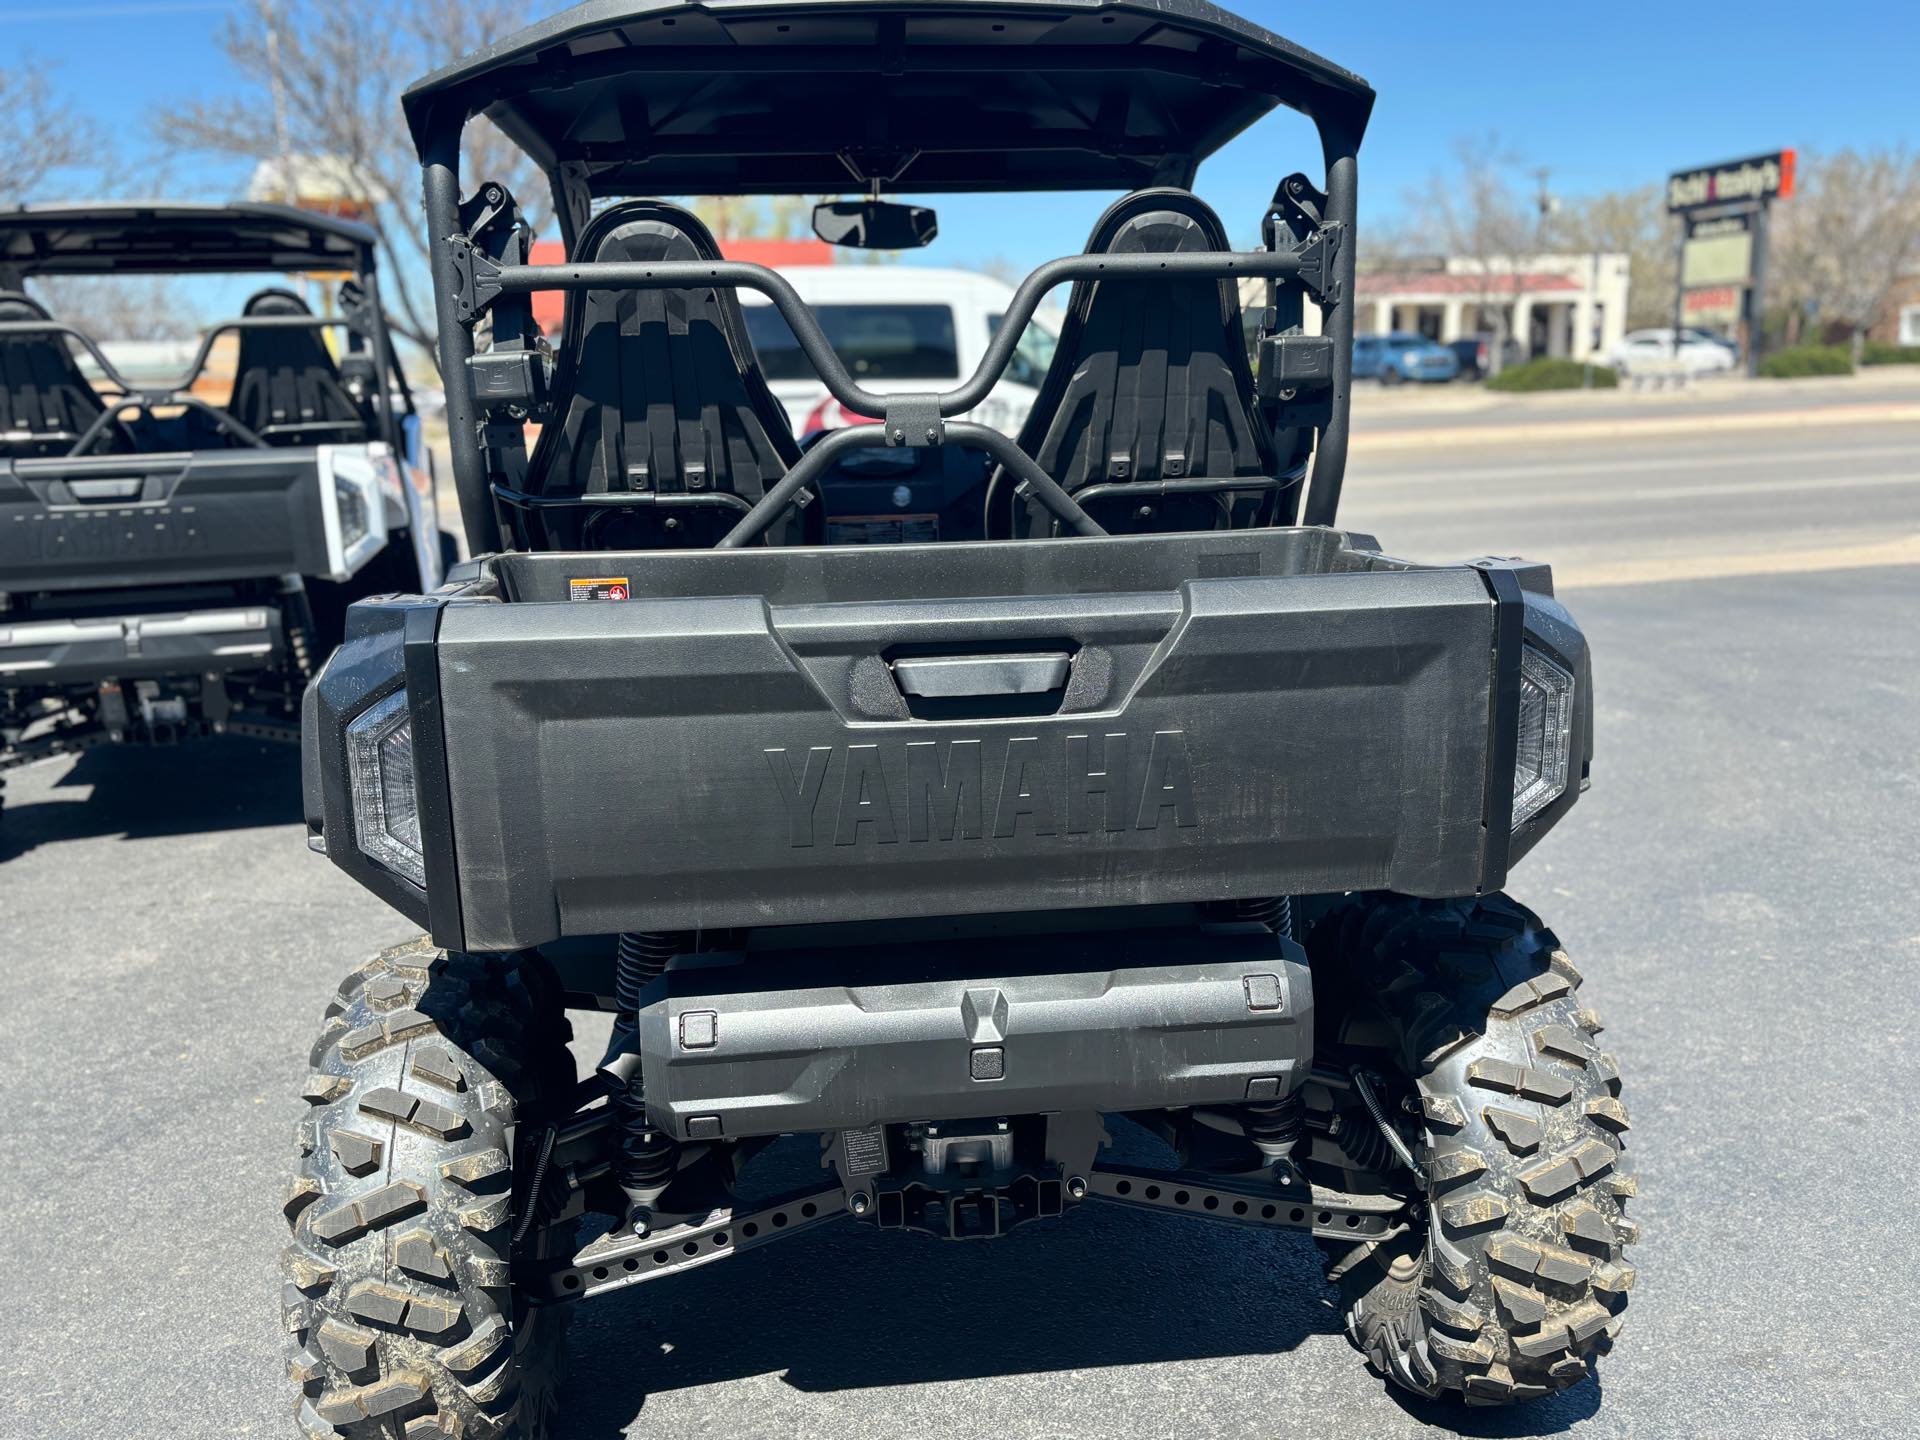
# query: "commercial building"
1570,307
1899,319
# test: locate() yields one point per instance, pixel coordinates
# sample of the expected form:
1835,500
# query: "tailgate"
716,761
121,520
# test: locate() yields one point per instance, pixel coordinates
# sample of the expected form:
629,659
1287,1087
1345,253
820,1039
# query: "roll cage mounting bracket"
1318,275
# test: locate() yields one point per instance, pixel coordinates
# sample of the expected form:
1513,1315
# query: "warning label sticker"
599,587
883,529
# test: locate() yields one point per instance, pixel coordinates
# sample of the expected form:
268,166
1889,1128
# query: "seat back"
1150,382
46,403
286,388
658,395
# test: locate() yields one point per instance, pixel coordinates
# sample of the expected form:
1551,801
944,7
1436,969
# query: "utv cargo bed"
757,737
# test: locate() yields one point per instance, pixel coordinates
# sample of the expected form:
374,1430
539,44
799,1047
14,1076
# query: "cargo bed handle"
956,677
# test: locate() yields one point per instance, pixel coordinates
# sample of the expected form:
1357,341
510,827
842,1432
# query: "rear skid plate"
619,1259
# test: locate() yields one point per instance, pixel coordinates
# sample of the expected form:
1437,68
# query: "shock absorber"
1274,1126
643,955
644,1160
1275,912
297,611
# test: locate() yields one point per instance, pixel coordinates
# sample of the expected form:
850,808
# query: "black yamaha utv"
1146,800
173,566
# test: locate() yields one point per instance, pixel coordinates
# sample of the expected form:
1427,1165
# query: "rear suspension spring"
645,1158
1275,912
643,955
297,612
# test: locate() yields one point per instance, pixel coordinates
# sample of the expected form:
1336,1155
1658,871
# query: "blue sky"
1603,95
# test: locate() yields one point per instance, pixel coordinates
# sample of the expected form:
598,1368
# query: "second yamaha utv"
1137,802
177,554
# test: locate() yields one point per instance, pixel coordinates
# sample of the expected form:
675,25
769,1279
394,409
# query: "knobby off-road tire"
398,1296
1515,1279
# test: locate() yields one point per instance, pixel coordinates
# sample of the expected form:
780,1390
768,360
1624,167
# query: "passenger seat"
46,402
1150,382
658,394
286,388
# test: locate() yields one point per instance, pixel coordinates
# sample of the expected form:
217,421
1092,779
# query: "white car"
896,328
1651,352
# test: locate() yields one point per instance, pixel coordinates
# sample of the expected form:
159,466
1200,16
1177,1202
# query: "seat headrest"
647,230
16,306
275,301
1158,222
658,390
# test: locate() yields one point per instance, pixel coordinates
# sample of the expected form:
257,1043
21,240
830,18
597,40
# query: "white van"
897,327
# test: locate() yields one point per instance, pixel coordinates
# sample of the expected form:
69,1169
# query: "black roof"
169,236
670,97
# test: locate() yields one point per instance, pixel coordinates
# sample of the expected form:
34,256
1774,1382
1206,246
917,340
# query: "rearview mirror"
875,224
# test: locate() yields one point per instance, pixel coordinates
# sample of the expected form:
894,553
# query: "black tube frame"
222,422
1341,146
1339,138
440,185
827,452
686,274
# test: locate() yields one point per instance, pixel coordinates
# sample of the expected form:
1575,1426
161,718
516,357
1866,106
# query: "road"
1739,887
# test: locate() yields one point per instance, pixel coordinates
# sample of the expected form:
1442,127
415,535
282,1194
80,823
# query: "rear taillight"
386,807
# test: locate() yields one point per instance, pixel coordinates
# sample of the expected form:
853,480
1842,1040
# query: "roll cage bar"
176,392
480,244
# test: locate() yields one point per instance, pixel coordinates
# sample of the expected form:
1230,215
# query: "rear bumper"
831,1039
1243,714
86,651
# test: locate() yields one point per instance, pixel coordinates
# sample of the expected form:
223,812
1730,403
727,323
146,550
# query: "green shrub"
1878,352
1545,374
1799,360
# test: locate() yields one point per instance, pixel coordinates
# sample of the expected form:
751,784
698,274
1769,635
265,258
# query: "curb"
1566,430
1900,553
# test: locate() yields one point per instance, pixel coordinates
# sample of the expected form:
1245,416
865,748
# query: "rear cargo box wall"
681,763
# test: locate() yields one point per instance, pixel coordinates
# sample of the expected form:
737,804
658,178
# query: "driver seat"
1151,382
46,402
286,388
658,395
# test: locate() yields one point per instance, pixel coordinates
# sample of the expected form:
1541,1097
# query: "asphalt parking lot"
1739,887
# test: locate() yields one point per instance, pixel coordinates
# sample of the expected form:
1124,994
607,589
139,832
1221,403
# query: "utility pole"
1680,281
1757,291
277,79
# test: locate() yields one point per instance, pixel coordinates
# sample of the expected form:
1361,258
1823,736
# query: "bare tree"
48,151
1848,235
41,136
747,217
324,84
1474,213
1633,223
119,307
